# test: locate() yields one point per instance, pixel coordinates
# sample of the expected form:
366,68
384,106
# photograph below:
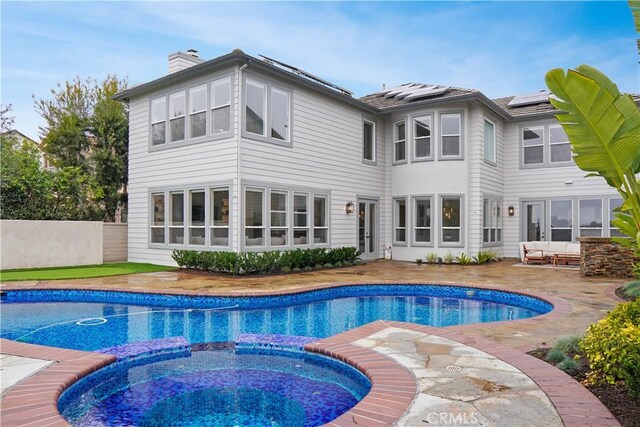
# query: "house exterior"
21,139
248,154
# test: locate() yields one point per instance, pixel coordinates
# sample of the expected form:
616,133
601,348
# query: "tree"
6,120
603,127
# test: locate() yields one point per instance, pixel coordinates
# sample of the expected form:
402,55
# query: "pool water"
248,387
92,320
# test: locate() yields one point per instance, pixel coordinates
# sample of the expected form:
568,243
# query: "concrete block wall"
114,242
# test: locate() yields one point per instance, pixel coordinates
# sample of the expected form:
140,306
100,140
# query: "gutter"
239,152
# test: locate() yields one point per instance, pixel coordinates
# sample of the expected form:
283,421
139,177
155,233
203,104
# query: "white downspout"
239,151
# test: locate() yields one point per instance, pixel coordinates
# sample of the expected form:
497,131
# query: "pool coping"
34,400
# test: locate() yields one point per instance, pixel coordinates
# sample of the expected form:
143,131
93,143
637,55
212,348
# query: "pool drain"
94,321
455,368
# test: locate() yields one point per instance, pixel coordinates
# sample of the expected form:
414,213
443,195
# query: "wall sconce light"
349,208
511,210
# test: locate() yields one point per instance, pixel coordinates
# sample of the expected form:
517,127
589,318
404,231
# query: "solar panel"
397,90
529,99
426,92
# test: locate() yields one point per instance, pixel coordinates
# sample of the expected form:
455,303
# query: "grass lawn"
81,272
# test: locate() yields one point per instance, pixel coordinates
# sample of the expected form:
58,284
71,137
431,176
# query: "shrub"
556,356
484,257
419,261
613,344
632,289
568,365
448,258
568,345
631,370
265,262
464,259
432,258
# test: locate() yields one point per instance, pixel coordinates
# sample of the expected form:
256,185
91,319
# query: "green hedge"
266,262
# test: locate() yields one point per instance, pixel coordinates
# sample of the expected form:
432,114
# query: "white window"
196,217
400,220
559,146
219,228
256,107
300,219
279,224
614,203
176,116
451,220
491,220
221,106
561,220
532,145
450,135
157,223
422,220
279,114
369,141
590,212
320,220
158,121
399,142
198,111
176,218
422,147
489,141
254,224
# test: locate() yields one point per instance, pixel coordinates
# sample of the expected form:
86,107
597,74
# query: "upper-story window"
369,141
533,145
198,111
451,135
399,142
422,147
559,145
221,106
267,111
158,121
177,116
490,141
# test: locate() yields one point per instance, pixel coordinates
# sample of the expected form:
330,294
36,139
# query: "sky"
500,48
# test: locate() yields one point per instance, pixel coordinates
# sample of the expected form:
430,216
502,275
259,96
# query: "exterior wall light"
511,210
350,207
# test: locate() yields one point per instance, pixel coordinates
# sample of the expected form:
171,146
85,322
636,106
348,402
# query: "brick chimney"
181,61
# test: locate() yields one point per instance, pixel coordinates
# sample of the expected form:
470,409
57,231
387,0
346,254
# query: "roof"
17,133
542,108
380,101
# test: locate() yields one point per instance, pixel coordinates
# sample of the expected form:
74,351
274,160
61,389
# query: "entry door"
533,226
368,228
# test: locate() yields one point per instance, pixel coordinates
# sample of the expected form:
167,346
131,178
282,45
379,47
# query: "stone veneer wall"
600,256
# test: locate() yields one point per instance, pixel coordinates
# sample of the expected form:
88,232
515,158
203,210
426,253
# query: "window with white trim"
176,217
451,220
400,220
221,106
254,224
490,141
559,145
590,214
399,141
533,145
196,225
158,218
422,147
491,220
300,219
561,220
320,220
219,225
158,121
198,111
279,114
369,141
279,224
177,116
614,203
422,220
451,135
267,111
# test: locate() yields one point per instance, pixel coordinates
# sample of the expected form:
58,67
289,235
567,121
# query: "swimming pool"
91,320
242,387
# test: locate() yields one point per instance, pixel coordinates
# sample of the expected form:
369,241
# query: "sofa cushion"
557,247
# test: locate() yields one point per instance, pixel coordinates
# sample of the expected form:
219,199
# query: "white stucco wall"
28,244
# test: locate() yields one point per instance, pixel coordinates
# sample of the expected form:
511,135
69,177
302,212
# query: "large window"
158,217
399,142
177,116
279,114
198,111
221,106
533,145
176,218
320,220
219,225
422,147
451,220
254,225
451,135
158,121
422,220
256,107
300,219
559,145
590,212
491,220
196,217
614,203
279,224
400,221
267,111
369,141
562,220
490,141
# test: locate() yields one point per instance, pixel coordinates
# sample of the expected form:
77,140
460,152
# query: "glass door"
368,229
533,225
